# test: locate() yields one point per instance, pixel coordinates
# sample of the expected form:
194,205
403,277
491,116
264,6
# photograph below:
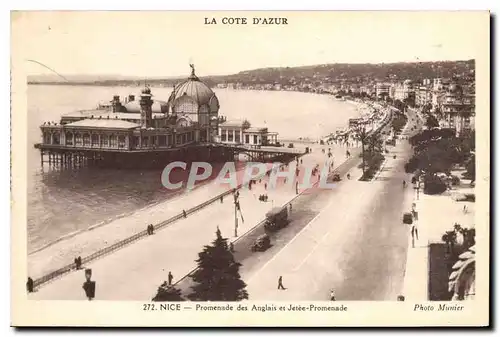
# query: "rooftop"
103,123
256,129
236,123
104,114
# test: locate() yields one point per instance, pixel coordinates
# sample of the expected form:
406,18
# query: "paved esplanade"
135,272
356,245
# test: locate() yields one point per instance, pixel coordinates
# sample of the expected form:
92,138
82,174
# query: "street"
355,246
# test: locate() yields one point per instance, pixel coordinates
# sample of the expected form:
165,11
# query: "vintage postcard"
250,168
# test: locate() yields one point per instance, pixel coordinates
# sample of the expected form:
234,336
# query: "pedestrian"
184,213
290,208
152,229
170,278
78,262
221,199
414,235
280,283
30,285
465,209
88,285
265,186
332,295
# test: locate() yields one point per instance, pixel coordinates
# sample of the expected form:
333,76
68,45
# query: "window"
47,138
237,136
69,138
170,141
78,139
247,139
121,141
184,138
86,139
95,140
145,141
56,138
230,136
255,139
105,140
178,139
112,141
223,135
135,142
162,140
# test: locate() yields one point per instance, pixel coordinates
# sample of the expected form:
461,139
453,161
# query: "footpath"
436,215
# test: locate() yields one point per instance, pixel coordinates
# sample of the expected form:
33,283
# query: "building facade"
458,108
404,91
382,89
241,133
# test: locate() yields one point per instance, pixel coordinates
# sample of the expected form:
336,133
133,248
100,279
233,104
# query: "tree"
431,122
361,134
399,122
167,293
217,276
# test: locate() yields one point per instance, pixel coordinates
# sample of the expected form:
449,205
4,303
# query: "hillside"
315,74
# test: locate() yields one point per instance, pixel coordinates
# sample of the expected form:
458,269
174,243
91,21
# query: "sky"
162,44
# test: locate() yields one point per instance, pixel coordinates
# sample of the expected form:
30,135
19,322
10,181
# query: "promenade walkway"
144,265
436,215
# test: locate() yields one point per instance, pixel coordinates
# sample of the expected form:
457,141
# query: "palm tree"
361,134
450,238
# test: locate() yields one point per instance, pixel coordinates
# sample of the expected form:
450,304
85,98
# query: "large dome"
195,89
194,97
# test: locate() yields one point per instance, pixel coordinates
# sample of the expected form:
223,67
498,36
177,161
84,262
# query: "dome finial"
193,75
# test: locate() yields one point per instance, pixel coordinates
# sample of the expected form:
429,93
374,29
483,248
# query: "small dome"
157,107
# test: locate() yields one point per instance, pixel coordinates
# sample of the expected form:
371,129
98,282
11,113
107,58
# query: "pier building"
241,132
143,132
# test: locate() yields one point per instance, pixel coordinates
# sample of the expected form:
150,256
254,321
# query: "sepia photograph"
250,168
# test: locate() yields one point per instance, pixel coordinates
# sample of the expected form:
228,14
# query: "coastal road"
356,245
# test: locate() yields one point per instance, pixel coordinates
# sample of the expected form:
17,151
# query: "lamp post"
236,206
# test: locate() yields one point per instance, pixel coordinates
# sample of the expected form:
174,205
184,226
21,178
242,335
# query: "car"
261,244
276,219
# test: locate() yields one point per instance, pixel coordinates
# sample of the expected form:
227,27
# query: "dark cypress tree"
217,276
167,294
